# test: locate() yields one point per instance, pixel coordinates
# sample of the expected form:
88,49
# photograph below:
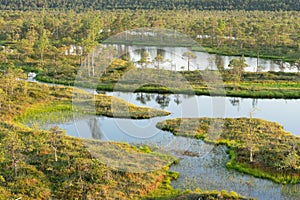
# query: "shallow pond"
174,60
206,168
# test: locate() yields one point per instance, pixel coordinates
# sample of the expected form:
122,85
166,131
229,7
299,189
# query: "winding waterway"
208,171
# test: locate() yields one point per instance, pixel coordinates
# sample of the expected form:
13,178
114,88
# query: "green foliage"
42,44
11,87
143,4
54,36
189,55
237,67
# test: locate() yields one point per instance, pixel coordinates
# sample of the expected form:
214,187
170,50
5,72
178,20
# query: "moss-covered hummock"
63,104
275,152
196,195
211,195
82,170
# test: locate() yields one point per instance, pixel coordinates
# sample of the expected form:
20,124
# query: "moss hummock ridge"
276,153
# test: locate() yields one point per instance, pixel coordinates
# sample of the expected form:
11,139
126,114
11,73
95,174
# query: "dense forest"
55,43
81,5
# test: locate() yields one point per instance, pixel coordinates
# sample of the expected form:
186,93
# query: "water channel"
208,171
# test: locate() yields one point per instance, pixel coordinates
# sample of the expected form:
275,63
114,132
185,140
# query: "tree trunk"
55,153
257,60
251,155
15,168
42,57
88,64
14,160
93,67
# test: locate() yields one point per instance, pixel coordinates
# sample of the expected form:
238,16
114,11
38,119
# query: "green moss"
164,190
62,104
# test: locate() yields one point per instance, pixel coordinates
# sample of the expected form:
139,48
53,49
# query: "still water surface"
173,59
207,172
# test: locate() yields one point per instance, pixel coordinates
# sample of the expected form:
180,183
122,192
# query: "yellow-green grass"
81,170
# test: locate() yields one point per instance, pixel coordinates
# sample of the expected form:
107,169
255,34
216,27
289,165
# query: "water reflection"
163,100
275,110
95,128
177,99
143,98
173,59
207,172
235,102
210,173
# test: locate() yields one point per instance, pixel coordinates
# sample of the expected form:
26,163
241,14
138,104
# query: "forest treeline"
56,43
81,5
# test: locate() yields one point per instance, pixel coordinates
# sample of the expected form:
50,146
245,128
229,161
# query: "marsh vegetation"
256,146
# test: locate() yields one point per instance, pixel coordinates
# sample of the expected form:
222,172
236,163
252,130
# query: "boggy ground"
275,152
43,164
122,75
63,103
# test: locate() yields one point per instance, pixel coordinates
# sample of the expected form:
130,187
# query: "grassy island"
122,75
257,147
64,103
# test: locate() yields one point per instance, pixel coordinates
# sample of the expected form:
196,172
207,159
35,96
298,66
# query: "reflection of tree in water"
94,127
297,65
219,62
254,103
143,98
163,100
161,52
123,52
235,102
281,65
142,51
272,65
177,99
